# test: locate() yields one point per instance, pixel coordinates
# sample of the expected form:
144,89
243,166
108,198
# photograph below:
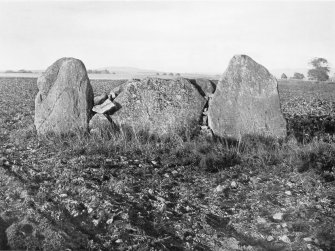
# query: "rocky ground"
82,192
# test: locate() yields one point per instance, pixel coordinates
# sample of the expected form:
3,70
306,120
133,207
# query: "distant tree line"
319,72
170,74
99,72
19,71
298,75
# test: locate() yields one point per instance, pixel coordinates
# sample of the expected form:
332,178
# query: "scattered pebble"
288,193
154,163
118,241
261,220
285,239
166,175
278,216
233,184
174,172
270,238
290,184
63,195
308,239
284,224
219,189
109,161
161,199
23,194
110,221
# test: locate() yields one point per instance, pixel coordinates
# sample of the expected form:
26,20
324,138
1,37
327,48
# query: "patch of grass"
320,157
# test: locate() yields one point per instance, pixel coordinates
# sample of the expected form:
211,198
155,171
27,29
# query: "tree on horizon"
320,71
298,75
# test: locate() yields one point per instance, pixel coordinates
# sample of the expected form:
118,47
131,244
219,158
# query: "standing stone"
65,98
159,106
246,101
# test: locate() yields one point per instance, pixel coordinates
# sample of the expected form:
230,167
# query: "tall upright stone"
65,98
246,101
159,106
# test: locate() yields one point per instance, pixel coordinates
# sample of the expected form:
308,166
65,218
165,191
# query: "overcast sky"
167,36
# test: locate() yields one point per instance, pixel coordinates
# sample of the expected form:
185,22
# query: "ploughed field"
139,193
309,108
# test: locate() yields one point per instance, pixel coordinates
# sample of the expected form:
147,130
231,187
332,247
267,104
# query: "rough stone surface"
105,107
246,101
159,106
206,86
117,90
65,98
98,100
18,233
8,217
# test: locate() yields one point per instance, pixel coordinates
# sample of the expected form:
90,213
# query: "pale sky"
166,36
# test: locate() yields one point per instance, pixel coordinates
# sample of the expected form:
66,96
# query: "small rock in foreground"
278,216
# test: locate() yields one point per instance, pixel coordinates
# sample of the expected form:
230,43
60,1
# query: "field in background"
137,193
117,76
306,89
309,108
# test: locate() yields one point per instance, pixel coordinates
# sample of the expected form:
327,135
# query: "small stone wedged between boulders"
98,100
105,107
